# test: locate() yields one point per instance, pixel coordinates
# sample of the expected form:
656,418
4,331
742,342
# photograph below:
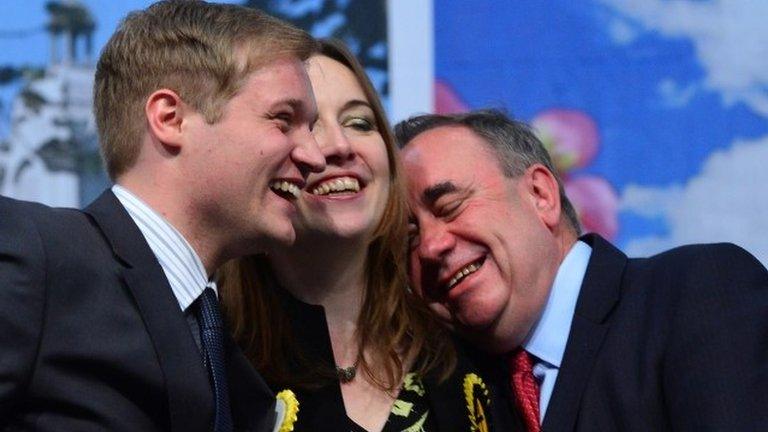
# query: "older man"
109,318
595,341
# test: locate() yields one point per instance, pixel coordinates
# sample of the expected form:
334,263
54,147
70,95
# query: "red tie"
525,388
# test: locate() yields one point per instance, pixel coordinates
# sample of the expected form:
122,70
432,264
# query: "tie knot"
209,294
525,388
521,361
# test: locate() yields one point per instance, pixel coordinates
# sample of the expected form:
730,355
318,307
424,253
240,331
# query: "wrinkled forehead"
422,168
446,154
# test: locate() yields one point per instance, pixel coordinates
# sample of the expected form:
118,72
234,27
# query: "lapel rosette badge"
287,408
478,401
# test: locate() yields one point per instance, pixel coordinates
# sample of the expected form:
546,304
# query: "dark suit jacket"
677,341
91,335
322,409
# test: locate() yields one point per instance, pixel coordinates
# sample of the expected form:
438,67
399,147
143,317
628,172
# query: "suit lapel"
599,293
251,400
190,400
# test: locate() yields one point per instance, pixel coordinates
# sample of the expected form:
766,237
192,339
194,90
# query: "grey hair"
515,144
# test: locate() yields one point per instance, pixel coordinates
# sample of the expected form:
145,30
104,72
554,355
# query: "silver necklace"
346,374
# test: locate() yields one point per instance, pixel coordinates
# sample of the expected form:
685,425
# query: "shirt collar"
549,335
180,263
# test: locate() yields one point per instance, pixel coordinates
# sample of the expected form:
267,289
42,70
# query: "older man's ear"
541,185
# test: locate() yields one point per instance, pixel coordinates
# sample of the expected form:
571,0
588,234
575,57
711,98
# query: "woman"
331,317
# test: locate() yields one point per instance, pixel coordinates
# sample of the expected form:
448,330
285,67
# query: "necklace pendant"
346,374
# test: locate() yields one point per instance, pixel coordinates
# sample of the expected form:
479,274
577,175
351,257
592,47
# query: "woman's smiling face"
348,198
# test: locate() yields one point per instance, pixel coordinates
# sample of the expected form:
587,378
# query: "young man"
595,341
109,317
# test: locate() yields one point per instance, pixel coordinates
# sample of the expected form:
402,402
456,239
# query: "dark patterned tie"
525,388
212,339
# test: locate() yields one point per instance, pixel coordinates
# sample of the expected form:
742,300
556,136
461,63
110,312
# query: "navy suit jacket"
91,335
674,342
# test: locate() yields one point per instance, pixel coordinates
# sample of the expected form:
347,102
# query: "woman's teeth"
284,186
337,185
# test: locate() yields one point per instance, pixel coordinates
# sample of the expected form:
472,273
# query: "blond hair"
201,51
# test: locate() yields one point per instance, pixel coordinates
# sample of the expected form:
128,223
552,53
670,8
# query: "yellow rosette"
476,396
288,406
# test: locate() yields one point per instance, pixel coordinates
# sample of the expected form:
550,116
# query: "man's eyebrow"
434,192
292,102
296,104
299,107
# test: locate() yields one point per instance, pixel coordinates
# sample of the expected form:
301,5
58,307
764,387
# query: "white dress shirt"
549,335
180,263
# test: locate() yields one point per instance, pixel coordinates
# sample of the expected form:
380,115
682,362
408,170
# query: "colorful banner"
656,112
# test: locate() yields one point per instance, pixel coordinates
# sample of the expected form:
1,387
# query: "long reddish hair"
394,324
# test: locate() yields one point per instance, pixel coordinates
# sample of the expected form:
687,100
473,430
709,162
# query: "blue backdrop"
656,111
668,99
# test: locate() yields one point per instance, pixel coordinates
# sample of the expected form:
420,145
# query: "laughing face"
481,251
248,167
348,198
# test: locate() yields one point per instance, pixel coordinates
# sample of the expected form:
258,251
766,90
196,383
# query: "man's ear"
545,193
165,113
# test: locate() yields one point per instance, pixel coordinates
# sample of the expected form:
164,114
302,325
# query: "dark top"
464,402
410,411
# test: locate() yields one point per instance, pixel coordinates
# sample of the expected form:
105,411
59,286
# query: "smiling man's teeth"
461,274
337,185
284,186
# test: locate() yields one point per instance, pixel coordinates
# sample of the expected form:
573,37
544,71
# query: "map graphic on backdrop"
656,112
